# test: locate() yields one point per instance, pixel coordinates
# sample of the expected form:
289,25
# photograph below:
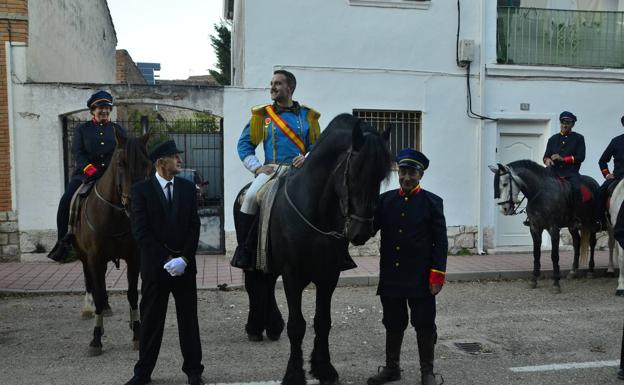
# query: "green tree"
221,45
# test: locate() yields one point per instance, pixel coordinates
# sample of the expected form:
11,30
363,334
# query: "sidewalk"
215,270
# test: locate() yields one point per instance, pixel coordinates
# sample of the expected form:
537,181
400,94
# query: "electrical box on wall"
466,52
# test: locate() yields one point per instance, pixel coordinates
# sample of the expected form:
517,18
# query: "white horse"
614,247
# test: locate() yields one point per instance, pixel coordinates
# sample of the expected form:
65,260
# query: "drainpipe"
480,128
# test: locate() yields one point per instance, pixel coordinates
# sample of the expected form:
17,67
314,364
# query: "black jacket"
573,145
163,232
614,150
413,242
94,143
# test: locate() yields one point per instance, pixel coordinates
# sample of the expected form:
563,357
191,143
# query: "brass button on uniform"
396,264
400,230
406,199
102,164
102,143
397,248
402,214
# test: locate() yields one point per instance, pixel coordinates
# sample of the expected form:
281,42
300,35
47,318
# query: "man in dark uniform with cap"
614,150
92,148
166,226
565,152
412,265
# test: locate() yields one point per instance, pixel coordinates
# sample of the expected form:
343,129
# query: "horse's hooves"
94,351
619,292
107,312
533,284
572,274
86,314
135,345
555,290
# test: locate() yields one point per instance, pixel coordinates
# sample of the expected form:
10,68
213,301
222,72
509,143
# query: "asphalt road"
43,341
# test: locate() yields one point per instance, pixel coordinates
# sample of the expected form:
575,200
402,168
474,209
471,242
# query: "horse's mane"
136,155
533,167
373,162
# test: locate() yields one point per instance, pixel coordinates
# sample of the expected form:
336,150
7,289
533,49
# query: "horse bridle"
345,207
510,200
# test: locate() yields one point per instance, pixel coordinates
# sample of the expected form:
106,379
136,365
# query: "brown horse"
103,232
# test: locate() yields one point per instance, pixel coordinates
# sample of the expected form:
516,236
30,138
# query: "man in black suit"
166,226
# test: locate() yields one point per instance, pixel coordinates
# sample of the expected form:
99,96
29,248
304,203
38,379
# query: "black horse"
549,202
318,210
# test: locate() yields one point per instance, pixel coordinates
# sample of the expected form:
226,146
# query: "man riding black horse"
564,153
92,148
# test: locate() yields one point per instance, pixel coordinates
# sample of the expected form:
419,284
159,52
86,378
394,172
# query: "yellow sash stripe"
438,271
290,134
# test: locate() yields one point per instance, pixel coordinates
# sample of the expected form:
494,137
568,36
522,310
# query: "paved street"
43,341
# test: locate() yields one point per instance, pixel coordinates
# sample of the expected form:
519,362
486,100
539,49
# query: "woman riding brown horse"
103,234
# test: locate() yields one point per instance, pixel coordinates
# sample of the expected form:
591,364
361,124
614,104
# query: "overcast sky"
175,34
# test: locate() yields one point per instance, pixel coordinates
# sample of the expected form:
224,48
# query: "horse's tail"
585,235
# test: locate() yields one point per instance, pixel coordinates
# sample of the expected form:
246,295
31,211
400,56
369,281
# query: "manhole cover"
470,347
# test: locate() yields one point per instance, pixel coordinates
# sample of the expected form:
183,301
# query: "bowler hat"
408,157
567,115
166,148
99,99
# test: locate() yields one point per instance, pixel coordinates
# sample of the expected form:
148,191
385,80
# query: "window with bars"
406,126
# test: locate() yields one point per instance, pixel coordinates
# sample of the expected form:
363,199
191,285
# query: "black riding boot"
392,370
426,348
246,236
61,249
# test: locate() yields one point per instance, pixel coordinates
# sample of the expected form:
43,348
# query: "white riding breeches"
250,203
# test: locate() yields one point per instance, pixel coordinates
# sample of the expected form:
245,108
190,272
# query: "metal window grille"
535,36
407,126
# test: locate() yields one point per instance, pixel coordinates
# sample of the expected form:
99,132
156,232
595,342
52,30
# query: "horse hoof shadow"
572,275
610,274
533,285
555,290
86,314
107,312
590,275
94,351
329,382
619,292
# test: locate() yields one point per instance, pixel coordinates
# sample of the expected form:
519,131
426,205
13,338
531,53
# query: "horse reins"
347,215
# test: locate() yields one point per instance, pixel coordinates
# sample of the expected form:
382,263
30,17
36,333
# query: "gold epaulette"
313,122
256,124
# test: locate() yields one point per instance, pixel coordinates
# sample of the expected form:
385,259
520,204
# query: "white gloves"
176,266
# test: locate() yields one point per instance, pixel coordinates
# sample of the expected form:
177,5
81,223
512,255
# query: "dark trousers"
62,214
422,314
602,201
263,311
154,299
618,228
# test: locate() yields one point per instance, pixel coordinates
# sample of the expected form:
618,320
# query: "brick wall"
127,71
13,27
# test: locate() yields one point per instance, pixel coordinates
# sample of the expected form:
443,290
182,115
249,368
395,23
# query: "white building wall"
337,34
70,41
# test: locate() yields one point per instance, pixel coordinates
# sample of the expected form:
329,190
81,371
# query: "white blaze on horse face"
508,189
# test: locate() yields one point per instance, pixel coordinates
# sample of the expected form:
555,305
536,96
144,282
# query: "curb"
363,280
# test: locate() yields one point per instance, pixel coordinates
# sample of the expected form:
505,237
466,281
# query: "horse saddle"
266,206
586,193
76,203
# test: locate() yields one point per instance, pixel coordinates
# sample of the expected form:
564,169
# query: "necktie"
168,193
